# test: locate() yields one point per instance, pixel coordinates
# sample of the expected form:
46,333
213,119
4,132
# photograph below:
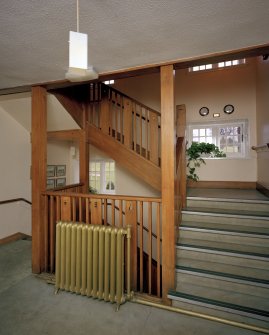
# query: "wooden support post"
131,220
128,123
39,167
84,154
181,133
168,188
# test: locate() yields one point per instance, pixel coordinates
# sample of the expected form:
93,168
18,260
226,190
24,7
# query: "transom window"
102,176
230,137
217,65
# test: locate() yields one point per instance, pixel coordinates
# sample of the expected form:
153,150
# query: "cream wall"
263,119
15,180
213,89
126,183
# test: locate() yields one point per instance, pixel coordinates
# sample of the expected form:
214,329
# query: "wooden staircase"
123,128
223,259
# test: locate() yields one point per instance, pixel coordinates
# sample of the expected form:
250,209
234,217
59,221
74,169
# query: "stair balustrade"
126,120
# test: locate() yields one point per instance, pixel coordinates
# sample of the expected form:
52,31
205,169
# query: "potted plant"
195,154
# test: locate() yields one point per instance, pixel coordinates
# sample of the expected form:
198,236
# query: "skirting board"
262,189
14,237
222,184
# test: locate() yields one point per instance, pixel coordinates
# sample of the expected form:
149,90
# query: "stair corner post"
39,168
168,183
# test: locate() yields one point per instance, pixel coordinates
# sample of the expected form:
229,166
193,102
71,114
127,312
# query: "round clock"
228,109
203,111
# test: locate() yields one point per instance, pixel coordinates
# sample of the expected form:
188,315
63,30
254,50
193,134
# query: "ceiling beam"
253,51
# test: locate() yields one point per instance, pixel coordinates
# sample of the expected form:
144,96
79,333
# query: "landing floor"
28,306
247,194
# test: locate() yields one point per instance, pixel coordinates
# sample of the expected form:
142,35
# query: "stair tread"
227,227
224,212
228,269
223,274
233,200
226,299
226,247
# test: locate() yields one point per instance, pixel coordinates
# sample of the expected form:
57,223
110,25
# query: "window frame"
103,181
216,125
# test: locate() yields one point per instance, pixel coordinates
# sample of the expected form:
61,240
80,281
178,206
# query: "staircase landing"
243,194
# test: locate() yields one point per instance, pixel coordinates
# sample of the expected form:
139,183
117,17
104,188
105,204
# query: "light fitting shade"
78,59
78,50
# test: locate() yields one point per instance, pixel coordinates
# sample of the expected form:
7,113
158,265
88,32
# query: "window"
230,137
217,65
102,176
109,82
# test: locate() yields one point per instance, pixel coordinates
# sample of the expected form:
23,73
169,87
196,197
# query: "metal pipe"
200,315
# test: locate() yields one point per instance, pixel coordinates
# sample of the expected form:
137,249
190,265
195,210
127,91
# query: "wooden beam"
65,135
71,104
39,168
168,166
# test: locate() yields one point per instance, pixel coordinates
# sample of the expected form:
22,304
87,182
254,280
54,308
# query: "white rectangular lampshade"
78,50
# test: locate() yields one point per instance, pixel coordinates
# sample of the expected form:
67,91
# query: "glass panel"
208,131
221,64
195,132
209,140
202,67
229,63
195,139
202,132
222,131
202,139
195,68
208,66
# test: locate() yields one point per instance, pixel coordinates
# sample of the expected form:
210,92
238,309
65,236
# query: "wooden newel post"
168,182
39,168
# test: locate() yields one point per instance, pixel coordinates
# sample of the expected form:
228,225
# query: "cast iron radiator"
90,261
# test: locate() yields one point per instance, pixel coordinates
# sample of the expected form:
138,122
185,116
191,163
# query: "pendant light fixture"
78,56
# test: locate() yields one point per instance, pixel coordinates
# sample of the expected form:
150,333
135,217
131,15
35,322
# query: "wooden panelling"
139,166
84,153
105,116
65,135
39,170
168,162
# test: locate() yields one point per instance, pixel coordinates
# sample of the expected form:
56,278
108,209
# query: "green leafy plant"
92,190
195,154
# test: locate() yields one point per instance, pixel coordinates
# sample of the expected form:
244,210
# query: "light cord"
78,16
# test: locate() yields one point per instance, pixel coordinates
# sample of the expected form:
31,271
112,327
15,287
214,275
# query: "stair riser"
226,259
208,236
217,313
224,219
223,284
228,205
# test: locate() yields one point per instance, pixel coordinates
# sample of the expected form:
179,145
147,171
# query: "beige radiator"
90,261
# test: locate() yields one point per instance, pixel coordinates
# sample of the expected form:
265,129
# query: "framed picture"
60,182
51,171
60,170
50,184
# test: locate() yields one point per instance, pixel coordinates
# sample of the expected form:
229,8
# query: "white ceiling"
122,33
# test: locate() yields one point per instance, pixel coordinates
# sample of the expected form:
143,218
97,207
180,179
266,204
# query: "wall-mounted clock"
228,109
203,111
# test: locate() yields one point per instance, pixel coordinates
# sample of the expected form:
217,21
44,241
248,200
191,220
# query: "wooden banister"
3,202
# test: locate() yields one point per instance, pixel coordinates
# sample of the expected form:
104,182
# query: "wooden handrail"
15,200
260,147
132,99
67,187
104,196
